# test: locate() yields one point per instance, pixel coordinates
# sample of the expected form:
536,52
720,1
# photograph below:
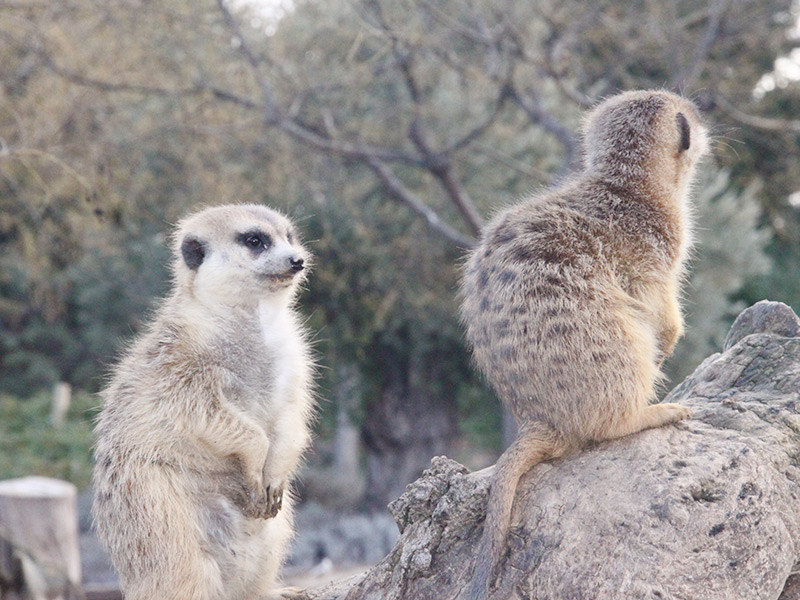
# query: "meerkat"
206,416
571,299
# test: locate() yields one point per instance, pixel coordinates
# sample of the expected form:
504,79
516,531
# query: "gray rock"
763,317
707,509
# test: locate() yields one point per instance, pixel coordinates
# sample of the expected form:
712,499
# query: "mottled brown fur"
206,417
571,300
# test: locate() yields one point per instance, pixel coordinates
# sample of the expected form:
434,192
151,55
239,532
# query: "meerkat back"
570,301
206,417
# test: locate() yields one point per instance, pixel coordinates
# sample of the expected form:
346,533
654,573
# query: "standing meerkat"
207,415
571,299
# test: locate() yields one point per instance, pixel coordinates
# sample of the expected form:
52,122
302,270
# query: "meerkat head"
238,255
656,137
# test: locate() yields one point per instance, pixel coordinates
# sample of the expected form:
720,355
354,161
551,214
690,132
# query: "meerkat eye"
256,241
685,131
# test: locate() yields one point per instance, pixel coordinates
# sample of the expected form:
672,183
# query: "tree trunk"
414,419
39,557
707,509
347,438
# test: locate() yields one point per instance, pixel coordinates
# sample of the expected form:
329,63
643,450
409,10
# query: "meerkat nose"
297,263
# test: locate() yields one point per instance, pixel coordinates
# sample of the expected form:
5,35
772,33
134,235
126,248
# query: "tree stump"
706,509
39,555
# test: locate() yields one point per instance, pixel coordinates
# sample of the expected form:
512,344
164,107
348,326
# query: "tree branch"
356,149
511,162
683,79
469,33
483,126
108,86
765,123
437,163
227,96
532,106
400,192
557,45
270,104
452,184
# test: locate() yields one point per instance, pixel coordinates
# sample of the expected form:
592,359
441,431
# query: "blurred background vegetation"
389,130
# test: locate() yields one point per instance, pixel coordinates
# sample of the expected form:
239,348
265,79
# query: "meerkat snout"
297,263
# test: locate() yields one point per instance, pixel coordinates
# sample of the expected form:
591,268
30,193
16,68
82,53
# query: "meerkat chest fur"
286,352
267,358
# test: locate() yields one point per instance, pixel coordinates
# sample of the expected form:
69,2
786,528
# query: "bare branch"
400,192
511,162
578,97
473,35
350,149
480,128
438,163
452,184
108,86
765,123
532,106
228,96
325,140
270,105
687,75
114,87
556,47
294,127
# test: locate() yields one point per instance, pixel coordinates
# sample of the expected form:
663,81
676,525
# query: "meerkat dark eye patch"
685,131
194,252
256,240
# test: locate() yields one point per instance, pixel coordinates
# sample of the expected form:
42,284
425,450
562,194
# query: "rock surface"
707,509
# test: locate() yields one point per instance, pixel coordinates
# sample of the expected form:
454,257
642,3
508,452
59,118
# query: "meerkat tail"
535,443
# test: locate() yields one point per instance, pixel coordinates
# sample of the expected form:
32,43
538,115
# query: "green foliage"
104,299
480,421
781,283
31,445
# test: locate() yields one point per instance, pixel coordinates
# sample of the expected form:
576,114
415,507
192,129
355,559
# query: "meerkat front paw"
262,502
275,497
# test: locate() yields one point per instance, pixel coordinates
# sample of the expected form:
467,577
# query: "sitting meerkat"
571,299
206,417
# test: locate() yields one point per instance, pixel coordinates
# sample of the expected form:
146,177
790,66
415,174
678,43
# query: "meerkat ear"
685,131
194,252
